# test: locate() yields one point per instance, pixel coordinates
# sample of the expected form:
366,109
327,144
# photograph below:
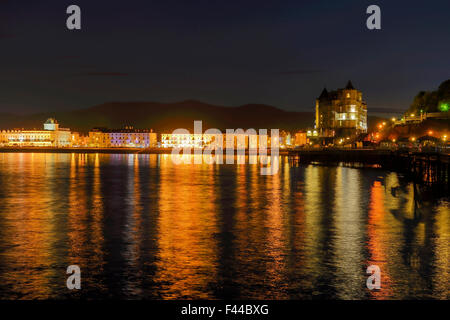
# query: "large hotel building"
51,136
341,112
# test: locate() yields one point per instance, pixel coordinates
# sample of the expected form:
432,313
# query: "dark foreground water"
142,227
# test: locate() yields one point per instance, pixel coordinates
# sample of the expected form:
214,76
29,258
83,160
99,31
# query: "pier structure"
424,167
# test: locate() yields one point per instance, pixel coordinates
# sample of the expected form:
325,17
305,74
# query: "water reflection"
141,227
187,225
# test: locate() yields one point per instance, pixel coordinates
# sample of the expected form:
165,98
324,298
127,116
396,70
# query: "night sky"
229,52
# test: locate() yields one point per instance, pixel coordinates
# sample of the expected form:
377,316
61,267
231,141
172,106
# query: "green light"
444,107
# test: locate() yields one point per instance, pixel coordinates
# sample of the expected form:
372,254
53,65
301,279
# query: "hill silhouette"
163,117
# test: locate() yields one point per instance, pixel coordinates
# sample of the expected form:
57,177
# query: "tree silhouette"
431,101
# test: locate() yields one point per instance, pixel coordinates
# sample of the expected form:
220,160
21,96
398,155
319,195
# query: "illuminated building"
185,140
341,112
286,140
51,136
79,140
121,138
300,139
98,139
311,133
237,140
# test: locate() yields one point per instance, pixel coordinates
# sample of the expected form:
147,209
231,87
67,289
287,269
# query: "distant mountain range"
165,117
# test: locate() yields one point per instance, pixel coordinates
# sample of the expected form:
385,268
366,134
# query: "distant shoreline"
101,150
82,150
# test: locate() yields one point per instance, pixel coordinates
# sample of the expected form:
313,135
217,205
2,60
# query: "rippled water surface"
141,227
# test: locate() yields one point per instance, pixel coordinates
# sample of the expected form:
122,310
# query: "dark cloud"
6,35
297,72
103,74
68,57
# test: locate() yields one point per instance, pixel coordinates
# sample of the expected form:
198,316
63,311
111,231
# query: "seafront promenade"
111,150
84,150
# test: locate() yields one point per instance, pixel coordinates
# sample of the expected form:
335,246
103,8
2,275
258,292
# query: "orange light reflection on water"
187,226
376,232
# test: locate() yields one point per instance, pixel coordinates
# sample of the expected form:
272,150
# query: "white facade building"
51,136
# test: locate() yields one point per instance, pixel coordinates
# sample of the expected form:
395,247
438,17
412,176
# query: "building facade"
127,137
186,140
243,140
79,140
51,136
301,139
341,112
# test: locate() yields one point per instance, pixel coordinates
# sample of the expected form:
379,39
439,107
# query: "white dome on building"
51,124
